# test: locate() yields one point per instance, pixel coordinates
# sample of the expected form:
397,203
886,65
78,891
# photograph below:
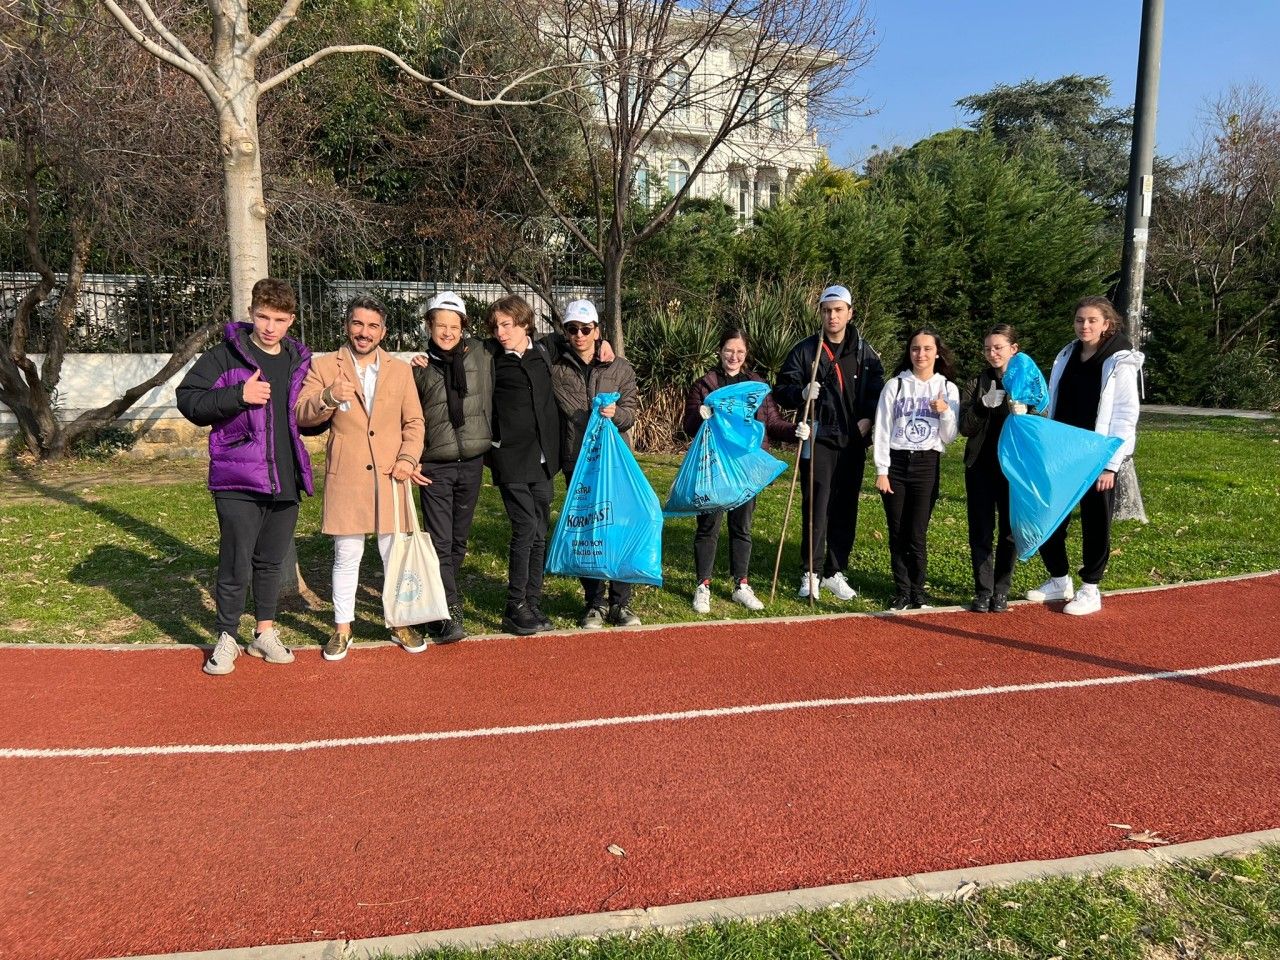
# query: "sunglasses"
577,330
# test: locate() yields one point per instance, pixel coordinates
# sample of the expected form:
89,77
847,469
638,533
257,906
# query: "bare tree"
227,72
1215,222
704,75
82,123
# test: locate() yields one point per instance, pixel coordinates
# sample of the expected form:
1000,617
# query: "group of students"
520,403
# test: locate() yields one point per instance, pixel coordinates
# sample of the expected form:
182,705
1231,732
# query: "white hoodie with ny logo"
906,420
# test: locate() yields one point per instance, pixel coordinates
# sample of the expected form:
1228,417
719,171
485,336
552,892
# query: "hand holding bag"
412,591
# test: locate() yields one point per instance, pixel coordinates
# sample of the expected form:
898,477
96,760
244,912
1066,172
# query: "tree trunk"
613,299
245,204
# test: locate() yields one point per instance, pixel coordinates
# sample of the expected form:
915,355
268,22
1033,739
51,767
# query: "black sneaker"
981,603
620,615
544,622
900,602
451,630
918,601
521,621
593,618
999,603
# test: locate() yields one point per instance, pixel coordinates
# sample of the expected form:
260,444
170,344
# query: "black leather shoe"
980,604
999,603
521,621
451,630
900,603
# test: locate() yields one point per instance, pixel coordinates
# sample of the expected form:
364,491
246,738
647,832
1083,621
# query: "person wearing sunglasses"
577,376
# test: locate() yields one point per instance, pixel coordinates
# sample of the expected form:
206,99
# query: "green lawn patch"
125,551
1198,910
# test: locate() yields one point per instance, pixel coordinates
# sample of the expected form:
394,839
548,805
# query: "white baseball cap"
836,292
581,311
447,301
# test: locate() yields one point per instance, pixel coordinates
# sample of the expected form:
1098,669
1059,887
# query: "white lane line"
22,753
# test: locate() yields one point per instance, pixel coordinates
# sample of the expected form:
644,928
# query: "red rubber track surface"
146,854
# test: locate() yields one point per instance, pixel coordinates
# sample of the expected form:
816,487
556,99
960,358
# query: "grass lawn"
124,551
1219,909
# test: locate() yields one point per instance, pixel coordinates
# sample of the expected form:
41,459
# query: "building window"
750,105
640,182
677,176
678,85
777,113
744,199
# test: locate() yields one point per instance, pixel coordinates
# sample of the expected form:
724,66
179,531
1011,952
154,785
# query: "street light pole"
1137,215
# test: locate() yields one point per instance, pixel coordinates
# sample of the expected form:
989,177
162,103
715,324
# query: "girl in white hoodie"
1093,385
915,420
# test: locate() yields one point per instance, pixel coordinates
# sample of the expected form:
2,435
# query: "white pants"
348,549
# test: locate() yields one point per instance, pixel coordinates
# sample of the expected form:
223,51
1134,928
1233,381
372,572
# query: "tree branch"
193,68
277,27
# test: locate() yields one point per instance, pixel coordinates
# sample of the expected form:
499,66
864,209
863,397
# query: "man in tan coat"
369,399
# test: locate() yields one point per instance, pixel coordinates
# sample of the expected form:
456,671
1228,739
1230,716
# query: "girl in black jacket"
983,411
732,369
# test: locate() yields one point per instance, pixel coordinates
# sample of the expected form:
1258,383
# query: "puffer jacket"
1119,401
445,444
576,384
242,441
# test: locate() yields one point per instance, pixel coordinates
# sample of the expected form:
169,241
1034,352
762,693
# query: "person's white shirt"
906,420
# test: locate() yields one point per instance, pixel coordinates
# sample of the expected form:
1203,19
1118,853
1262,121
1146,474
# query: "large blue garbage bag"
726,465
610,526
1049,465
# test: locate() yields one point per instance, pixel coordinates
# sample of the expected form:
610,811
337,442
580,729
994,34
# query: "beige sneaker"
337,646
267,646
410,639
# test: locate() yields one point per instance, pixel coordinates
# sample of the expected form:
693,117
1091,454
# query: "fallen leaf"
1239,878
965,891
1120,826
1146,836
1011,905
616,850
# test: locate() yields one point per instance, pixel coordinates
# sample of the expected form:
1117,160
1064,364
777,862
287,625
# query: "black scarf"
450,363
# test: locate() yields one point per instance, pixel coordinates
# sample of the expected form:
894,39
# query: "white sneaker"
745,596
839,587
809,584
1088,600
268,646
702,598
223,659
1055,588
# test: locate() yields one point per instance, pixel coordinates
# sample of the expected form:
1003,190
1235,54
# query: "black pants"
254,536
529,510
707,538
448,507
913,476
617,593
986,498
1095,536
837,483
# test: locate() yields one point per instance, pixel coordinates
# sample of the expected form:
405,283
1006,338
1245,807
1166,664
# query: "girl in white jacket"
1094,385
915,420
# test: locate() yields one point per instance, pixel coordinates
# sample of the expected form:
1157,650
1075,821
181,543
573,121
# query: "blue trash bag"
610,526
1050,466
726,465
1024,383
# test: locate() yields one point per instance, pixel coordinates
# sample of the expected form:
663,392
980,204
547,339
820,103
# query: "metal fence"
139,313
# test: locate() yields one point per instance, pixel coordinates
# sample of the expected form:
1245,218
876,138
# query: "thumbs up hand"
939,403
993,397
256,392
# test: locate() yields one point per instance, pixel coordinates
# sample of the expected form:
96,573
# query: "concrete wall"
90,380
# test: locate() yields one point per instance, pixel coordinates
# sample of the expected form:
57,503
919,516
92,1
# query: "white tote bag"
412,591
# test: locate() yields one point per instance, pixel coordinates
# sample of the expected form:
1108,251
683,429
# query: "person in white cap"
843,395
577,376
456,390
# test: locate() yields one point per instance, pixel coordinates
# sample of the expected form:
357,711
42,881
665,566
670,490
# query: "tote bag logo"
410,587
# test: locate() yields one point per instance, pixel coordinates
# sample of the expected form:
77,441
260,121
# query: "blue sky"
933,52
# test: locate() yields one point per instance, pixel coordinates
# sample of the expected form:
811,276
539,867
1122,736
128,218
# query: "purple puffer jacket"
242,444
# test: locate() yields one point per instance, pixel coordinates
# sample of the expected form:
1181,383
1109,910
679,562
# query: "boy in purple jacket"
245,389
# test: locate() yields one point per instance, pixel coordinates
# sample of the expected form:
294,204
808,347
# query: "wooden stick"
795,474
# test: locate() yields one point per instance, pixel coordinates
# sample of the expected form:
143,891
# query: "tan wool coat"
362,448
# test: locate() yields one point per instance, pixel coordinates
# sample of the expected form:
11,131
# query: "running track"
509,815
